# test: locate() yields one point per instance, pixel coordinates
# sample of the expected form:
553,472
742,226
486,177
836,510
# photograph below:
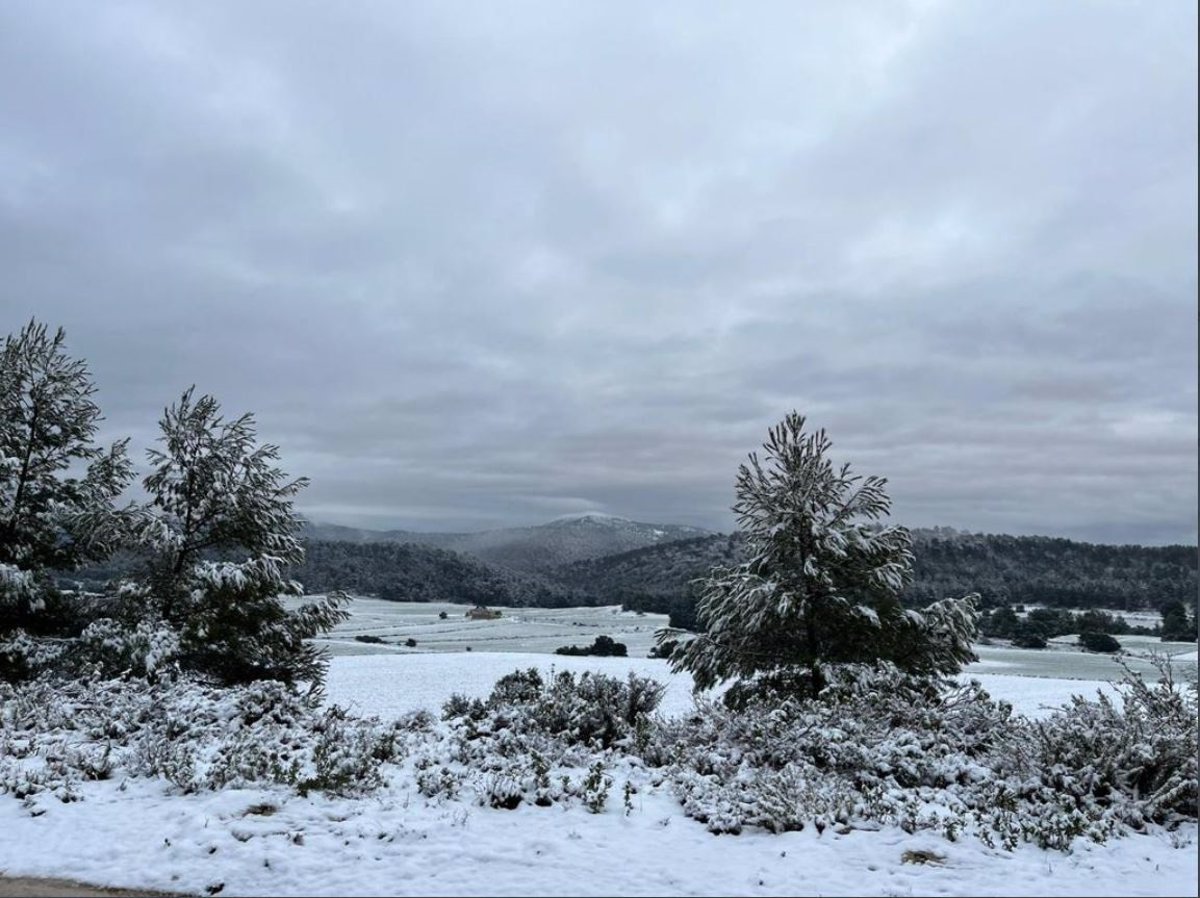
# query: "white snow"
139,833
400,845
136,833
1037,696
390,685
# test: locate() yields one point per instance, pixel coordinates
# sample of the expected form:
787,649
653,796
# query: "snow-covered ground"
517,630
398,844
542,630
141,833
390,685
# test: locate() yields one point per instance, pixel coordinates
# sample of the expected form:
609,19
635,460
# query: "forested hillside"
414,573
655,570
536,550
1002,569
1050,571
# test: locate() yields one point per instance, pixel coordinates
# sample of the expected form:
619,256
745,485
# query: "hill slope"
416,573
1003,569
531,549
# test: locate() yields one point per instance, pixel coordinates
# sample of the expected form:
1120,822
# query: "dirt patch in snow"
29,887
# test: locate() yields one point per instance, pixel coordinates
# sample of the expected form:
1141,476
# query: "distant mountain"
539,549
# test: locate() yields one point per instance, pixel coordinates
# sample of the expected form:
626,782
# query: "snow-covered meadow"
141,832
542,630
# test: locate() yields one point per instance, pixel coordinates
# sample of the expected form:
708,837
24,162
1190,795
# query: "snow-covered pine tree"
1175,623
222,532
50,518
822,583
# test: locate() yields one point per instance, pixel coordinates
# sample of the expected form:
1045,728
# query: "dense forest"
401,572
1004,570
1043,570
408,572
1029,570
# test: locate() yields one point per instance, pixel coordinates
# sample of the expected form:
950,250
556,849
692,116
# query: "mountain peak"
593,516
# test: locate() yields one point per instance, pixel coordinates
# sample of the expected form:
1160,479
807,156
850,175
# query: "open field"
542,630
399,679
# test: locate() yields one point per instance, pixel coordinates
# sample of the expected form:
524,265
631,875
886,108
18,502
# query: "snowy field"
388,685
542,630
517,630
139,833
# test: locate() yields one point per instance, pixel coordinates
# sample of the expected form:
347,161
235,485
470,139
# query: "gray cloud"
477,264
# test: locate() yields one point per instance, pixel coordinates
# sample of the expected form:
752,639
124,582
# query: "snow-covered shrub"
347,754
437,780
542,740
862,751
1008,815
590,710
18,590
196,736
595,788
23,657
501,790
1131,760
884,747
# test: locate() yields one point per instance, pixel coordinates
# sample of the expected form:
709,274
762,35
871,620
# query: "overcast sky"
484,264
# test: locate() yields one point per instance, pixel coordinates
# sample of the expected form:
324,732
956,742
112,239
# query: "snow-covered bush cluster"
109,648
878,747
55,735
544,741
1132,762
535,741
591,710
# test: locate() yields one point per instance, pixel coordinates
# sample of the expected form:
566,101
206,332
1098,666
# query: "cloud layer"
481,264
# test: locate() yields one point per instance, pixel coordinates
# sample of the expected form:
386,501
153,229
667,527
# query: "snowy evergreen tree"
57,487
821,584
222,533
1176,625
48,425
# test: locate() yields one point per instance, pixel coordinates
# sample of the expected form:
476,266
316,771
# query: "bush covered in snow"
880,747
55,735
591,710
543,741
1132,762
877,747
861,751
